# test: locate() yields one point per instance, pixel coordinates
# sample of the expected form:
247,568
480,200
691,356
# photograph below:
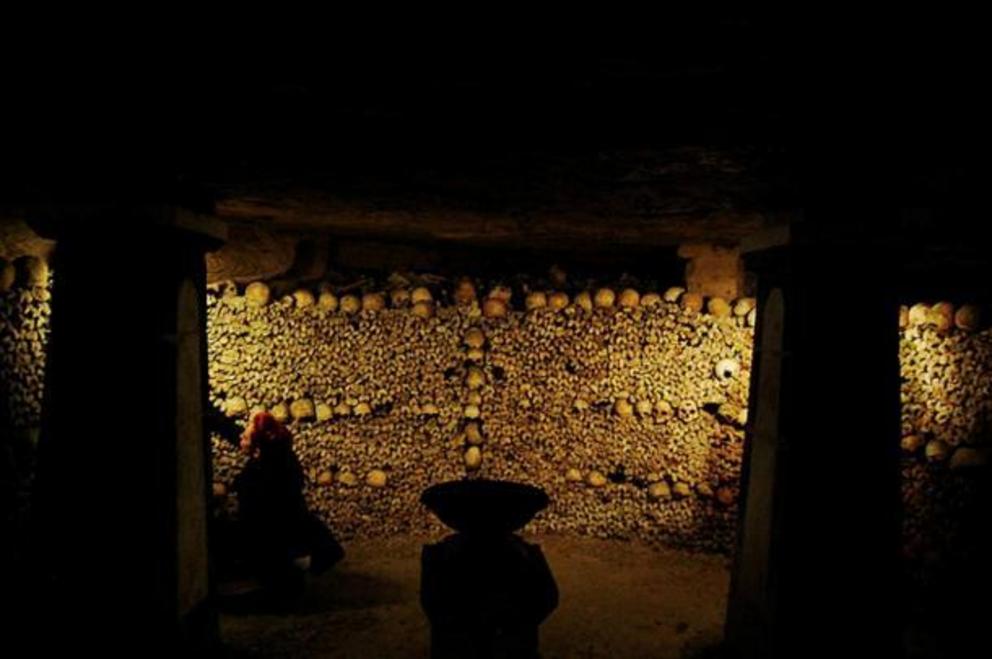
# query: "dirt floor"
619,600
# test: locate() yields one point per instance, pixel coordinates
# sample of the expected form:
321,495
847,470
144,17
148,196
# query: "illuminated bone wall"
25,295
627,409
946,363
563,396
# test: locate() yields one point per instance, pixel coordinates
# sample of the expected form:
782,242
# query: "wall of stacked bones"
627,406
946,363
25,307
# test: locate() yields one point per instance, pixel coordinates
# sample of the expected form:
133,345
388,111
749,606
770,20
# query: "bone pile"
627,408
945,358
25,295
25,309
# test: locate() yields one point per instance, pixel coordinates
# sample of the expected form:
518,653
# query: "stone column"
123,468
712,270
817,569
751,606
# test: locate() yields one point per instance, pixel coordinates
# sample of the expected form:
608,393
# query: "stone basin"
484,507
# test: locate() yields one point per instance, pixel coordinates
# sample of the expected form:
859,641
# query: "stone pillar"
123,468
749,616
817,569
713,271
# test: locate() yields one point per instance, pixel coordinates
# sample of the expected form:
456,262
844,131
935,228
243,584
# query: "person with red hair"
281,536
264,430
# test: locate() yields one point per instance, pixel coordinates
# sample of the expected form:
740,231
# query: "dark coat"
276,524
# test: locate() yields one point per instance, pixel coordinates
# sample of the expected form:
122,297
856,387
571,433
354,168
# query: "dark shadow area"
336,591
951,614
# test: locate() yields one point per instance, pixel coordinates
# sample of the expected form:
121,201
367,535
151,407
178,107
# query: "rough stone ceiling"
624,196
661,147
711,127
655,146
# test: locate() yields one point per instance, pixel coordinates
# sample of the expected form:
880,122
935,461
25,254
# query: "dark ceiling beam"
532,229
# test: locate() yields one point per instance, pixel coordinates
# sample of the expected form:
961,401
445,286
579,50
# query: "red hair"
265,430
